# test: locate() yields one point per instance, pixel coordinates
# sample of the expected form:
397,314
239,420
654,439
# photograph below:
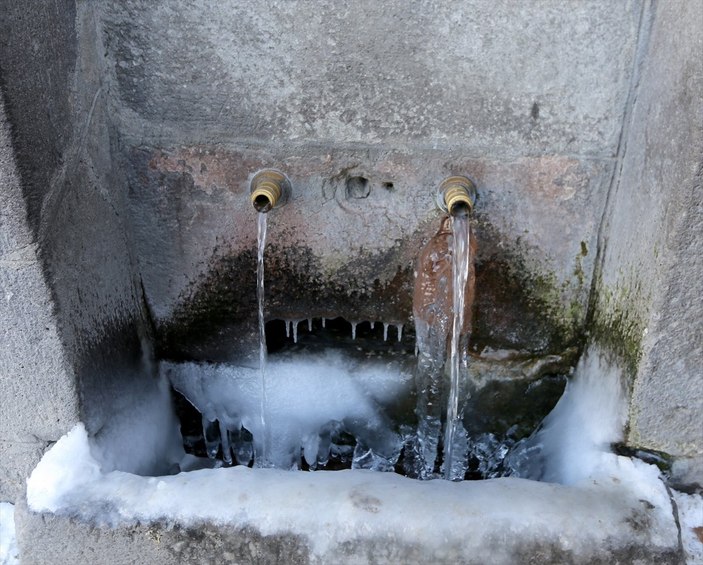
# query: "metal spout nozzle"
458,195
269,189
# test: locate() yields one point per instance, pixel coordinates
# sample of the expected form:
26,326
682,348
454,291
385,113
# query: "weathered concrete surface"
38,50
649,308
68,286
542,77
31,354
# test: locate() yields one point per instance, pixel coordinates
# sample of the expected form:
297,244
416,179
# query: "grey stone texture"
334,255
71,308
650,281
39,400
488,76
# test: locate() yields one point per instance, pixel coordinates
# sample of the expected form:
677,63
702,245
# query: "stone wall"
71,309
648,308
528,102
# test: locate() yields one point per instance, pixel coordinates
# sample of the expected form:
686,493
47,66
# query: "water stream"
454,434
261,234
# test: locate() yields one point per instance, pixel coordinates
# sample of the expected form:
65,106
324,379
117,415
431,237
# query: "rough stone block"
544,77
648,307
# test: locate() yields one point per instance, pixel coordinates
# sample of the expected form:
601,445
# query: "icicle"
226,449
353,324
385,331
372,324
295,330
323,322
309,324
211,435
400,331
288,323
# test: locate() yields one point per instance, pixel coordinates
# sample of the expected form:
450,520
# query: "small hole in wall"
389,186
358,187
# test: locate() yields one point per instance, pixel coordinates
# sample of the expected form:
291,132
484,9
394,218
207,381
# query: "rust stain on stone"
552,178
209,168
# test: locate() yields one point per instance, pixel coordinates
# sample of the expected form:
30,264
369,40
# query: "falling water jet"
435,323
262,331
458,199
269,189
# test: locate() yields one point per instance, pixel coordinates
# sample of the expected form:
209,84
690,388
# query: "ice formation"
574,440
9,554
330,510
309,400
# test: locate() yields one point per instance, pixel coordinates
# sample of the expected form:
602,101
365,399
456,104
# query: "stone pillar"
649,309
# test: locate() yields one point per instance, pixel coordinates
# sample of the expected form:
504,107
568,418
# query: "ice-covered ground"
331,508
9,554
594,497
690,511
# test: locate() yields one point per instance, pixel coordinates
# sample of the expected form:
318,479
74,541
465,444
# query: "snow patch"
65,468
9,553
690,508
331,508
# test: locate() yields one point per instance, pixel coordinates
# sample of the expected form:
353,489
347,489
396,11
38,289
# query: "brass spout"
457,196
269,189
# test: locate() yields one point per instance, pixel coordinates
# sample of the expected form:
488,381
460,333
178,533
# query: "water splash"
261,239
455,441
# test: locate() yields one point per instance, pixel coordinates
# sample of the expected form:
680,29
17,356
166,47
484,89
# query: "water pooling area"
156,410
